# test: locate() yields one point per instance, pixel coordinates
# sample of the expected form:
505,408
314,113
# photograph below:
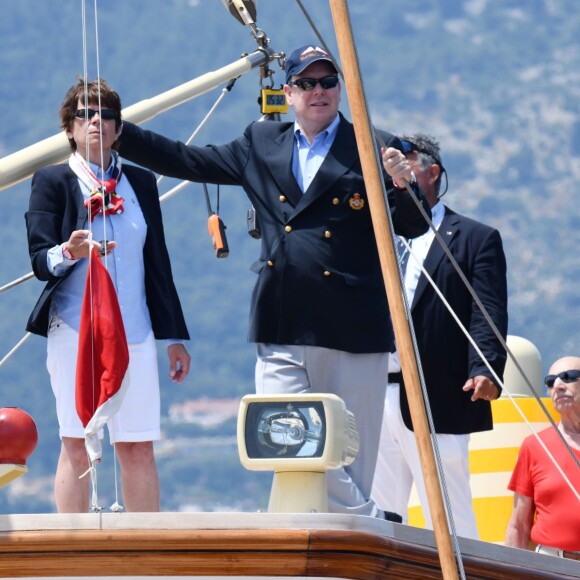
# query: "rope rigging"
99,193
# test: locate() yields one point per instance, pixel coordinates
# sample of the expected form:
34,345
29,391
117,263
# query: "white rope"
489,320
179,187
84,28
432,432
93,470
103,168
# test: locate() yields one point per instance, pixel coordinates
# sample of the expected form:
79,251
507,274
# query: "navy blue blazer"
447,357
319,280
56,209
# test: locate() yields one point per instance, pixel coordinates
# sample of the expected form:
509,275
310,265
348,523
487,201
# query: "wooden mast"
374,187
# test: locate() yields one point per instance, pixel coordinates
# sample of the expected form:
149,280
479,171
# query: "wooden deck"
248,544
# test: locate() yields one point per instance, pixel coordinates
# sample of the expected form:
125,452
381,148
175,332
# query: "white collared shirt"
419,250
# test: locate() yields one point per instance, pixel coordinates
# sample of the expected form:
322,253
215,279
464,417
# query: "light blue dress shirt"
125,265
307,158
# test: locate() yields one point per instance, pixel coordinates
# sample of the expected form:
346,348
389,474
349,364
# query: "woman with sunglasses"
546,507
93,192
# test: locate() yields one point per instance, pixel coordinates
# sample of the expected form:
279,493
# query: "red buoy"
18,435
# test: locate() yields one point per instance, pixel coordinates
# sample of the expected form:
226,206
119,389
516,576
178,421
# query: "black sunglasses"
408,147
306,84
565,376
105,114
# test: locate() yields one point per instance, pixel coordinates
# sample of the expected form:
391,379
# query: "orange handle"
217,232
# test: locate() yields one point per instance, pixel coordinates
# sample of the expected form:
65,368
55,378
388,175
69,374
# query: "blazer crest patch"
356,202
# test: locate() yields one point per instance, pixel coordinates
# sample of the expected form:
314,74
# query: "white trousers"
398,466
359,380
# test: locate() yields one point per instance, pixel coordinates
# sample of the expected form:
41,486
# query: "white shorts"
138,418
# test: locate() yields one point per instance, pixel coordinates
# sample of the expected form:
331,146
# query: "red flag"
103,356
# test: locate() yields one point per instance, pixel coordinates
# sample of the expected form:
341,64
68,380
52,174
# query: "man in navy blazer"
319,312
459,384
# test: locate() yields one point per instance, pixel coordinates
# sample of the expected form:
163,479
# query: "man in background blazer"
459,384
319,312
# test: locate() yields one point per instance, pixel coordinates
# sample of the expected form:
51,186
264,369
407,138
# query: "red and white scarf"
102,192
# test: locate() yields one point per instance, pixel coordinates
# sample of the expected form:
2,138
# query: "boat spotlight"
299,437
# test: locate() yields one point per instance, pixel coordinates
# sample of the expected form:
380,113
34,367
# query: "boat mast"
374,187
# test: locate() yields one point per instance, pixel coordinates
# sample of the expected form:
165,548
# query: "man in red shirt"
547,507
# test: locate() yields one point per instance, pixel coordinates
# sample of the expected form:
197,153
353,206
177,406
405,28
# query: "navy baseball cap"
303,57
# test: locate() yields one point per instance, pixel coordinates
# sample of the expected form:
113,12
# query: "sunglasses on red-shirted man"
565,376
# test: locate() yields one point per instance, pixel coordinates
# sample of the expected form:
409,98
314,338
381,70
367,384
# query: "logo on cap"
303,57
313,51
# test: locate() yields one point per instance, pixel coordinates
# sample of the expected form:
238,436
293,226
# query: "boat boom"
22,164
